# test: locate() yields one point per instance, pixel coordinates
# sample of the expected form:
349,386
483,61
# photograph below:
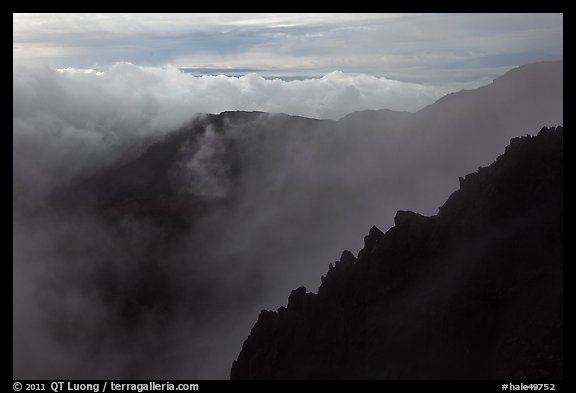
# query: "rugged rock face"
474,292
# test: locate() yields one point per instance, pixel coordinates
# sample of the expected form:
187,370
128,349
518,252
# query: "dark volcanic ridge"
474,292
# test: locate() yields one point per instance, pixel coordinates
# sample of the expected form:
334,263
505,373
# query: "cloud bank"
97,113
169,95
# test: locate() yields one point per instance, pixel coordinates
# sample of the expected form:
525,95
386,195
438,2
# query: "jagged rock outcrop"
474,292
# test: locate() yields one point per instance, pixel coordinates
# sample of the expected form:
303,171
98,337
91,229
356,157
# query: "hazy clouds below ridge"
270,199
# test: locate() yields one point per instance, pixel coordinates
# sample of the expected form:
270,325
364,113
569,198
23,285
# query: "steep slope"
473,292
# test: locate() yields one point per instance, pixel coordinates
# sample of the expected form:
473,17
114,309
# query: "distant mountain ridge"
474,292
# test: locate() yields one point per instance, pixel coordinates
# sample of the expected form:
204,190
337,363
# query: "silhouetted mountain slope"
473,292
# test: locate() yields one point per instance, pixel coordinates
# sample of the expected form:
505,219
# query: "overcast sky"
430,48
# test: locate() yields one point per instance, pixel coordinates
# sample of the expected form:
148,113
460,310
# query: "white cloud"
165,97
